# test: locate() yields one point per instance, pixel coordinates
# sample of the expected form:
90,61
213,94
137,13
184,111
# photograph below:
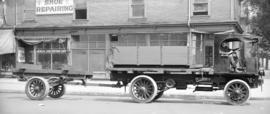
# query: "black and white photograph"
134,56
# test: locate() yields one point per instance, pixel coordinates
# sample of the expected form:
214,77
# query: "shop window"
196,48
201,7
76,38
209,56
79,42
137,8
44,59
93,41
80,9
131,40
97,41
113,37
59,60
53,54
165,39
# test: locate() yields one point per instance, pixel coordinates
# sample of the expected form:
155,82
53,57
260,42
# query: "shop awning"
7,42
33,40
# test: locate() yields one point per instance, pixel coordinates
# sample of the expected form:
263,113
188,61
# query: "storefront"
58,50
48,51
7,49
90,49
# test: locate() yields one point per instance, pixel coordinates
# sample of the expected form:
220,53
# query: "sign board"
48,7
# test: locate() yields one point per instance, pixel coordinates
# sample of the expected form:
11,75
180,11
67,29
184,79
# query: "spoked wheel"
37,88
237,92
143,89
159,94
57,90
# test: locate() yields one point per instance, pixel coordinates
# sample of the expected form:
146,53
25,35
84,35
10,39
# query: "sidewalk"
11,85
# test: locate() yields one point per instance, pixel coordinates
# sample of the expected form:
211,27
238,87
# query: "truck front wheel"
143,89
237,92
37,88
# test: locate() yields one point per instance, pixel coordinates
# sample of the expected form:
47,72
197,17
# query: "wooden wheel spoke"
148,94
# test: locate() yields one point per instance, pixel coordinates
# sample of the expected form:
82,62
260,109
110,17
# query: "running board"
204,88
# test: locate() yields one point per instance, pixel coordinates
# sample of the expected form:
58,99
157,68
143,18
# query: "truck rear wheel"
143,89
237,92
37,88
57,89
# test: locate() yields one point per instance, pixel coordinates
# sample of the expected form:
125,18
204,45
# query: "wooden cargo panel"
149,55
175,55
125,55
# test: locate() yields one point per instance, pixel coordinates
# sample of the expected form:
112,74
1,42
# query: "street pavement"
95,99
14,103
95,88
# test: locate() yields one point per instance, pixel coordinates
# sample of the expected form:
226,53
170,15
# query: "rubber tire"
44,93
238,81
153,95
58,95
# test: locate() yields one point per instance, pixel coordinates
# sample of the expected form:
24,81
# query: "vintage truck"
216,62
232,65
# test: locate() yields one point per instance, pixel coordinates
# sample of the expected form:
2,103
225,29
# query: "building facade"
80,34
7,39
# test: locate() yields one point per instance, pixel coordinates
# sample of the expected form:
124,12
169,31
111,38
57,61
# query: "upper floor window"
201,7
29,10
80,9
137,8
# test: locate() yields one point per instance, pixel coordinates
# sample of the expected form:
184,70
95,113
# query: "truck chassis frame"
148,85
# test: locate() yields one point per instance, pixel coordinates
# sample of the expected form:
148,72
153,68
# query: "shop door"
79,60
96,60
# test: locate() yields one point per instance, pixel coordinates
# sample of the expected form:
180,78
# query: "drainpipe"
15,15
189,35
189,13
4,13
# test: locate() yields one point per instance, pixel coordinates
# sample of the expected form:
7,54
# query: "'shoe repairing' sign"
45,7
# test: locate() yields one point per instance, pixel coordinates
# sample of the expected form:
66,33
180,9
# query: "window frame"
75,13
80,8
208,7
51,51
131,4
